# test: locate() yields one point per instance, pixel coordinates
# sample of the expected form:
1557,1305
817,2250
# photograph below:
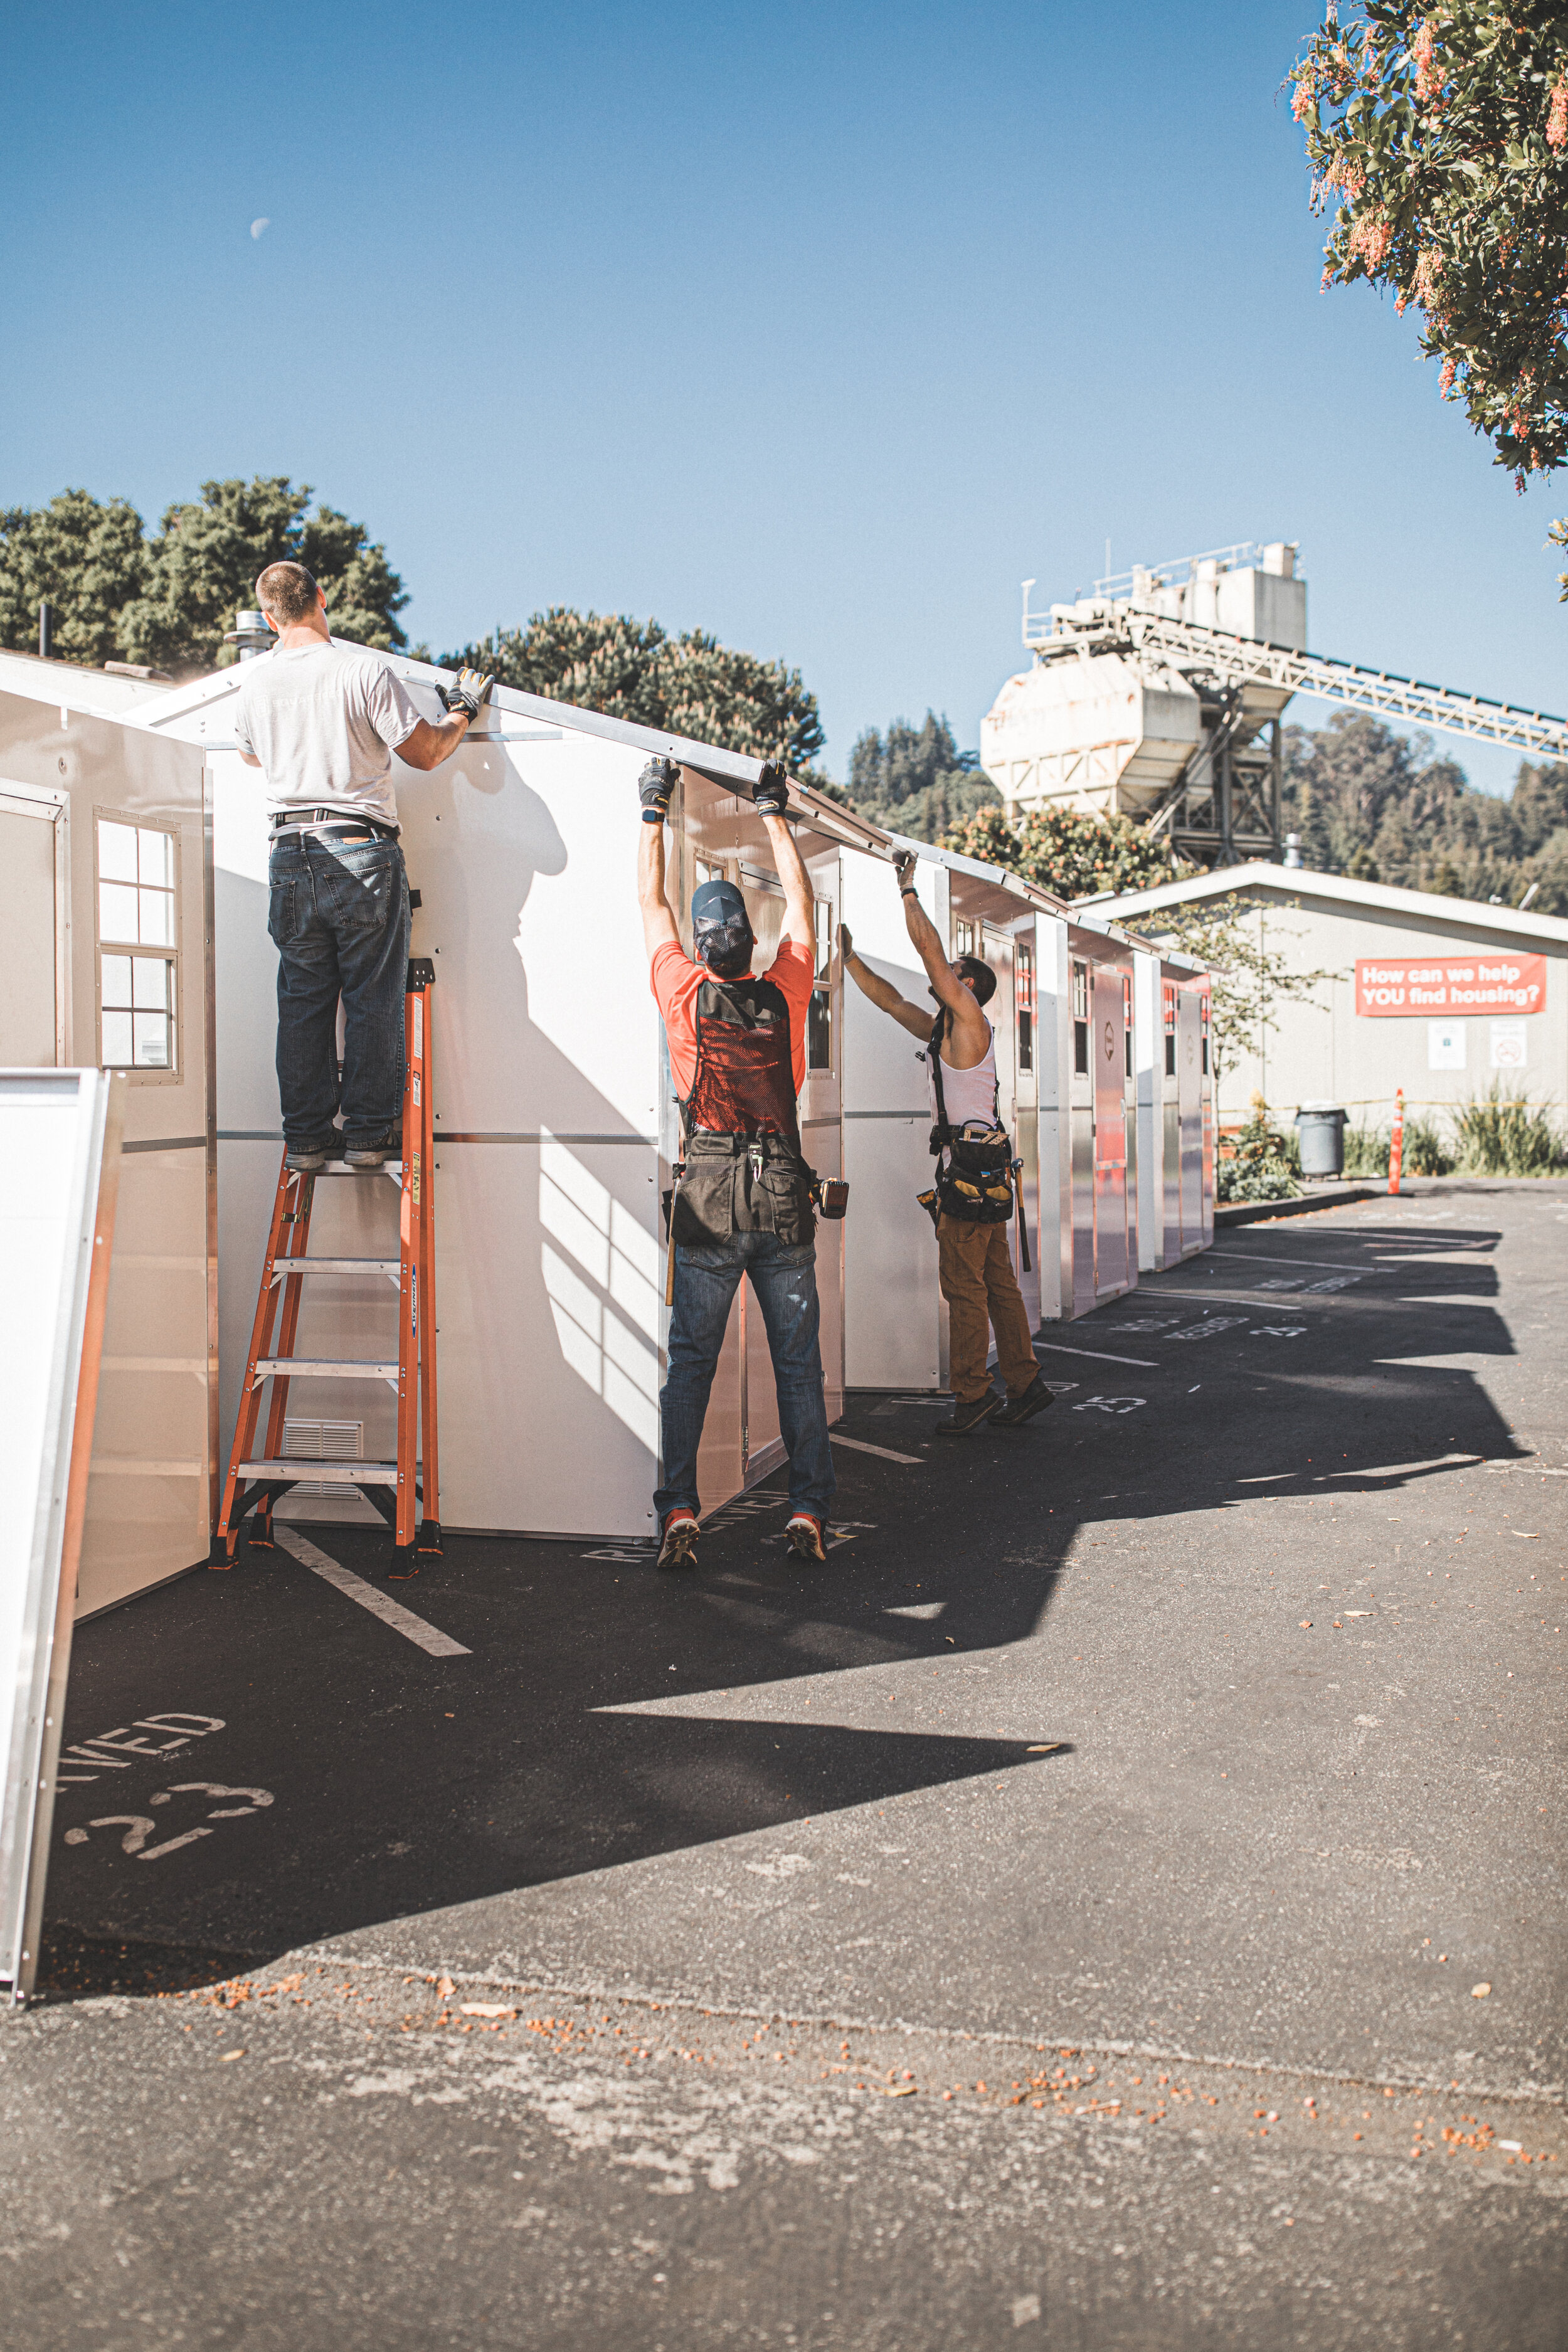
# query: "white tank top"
970,1095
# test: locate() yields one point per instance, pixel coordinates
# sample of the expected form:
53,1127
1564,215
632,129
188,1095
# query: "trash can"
1321,1129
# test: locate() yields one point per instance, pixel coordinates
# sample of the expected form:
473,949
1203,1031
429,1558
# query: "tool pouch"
831,1195
975,1174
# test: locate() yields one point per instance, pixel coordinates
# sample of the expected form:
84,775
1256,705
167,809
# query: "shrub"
1366,1151
1257,1165
1501,1134
1426,1153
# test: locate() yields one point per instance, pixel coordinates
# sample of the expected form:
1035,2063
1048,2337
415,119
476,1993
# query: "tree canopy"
1067,851
1386,808
916,780
1441,131
634,669
169,600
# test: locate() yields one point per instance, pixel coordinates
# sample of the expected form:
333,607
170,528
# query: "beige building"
1438,995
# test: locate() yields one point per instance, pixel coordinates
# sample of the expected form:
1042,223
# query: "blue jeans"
785,1282
338,917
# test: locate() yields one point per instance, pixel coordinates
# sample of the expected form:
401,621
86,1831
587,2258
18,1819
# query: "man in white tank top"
975,1260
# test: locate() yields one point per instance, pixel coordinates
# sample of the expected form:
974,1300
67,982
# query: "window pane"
116,911
152,1040
116,851
819,1031
116,1040
157,918
149,984
155,856
824,911
117,979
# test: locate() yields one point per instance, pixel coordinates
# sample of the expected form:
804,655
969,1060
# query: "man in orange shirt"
742,1204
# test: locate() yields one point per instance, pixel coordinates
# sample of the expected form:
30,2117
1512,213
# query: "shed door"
1190,1112
28,1012
1107,1039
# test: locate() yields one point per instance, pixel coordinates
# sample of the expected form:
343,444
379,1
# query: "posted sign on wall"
1453,984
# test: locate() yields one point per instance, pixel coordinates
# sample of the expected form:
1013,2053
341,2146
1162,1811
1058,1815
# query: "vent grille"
323,1441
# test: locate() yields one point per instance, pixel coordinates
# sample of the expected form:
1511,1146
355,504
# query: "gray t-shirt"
324,720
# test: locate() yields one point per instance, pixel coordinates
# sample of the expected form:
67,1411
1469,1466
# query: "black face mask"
726,948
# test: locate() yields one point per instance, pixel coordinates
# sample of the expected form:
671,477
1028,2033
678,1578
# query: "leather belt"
329,821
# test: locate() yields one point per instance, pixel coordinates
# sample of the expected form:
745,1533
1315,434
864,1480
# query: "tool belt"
974,1164
746,1184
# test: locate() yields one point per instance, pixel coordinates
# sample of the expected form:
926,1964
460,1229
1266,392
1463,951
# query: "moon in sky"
258,225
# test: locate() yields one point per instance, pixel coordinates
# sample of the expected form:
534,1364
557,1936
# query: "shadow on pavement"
274,1766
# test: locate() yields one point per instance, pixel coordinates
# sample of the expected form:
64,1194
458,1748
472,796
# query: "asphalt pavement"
1116,1902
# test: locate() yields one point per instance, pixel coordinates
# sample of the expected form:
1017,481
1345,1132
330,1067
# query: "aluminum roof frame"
720,767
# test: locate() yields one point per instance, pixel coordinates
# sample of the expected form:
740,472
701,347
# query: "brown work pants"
974,1267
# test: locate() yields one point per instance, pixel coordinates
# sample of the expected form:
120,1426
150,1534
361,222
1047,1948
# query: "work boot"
1020,1409
678,1548
965,1417
377,1153
305,1159
803,1535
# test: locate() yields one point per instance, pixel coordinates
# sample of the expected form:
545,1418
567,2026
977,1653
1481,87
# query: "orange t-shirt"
676,981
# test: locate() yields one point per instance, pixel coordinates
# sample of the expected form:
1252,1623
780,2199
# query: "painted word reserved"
1474,984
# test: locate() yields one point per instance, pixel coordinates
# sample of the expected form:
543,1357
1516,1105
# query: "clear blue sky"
820,327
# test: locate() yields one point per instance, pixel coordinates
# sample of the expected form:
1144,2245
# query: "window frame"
142,1072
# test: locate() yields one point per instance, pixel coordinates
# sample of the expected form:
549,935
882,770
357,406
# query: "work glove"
771,790
904,868
655,786
463,701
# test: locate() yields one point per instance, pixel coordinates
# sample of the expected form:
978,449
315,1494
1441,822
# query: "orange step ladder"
406,1492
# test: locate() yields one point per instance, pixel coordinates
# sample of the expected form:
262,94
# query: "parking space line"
1099,1354
885,1453
380,1604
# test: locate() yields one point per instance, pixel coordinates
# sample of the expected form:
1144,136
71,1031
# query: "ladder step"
392,1168
341,1474
311,1368
337,1265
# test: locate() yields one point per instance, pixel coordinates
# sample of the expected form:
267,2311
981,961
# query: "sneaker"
1020,1409
305,1159
803,1535
965,1417
677,1547
377,1153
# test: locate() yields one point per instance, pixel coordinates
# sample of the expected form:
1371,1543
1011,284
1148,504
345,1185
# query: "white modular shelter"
555,1115
1176,1146
1098,1135
105,894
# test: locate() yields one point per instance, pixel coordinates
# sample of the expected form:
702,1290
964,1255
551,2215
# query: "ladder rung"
313,1368
392,1168
342,1474
337,1265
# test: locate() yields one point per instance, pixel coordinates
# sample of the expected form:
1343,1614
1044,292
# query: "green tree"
202,568
1067,851
916,780
633,669
1441,128
86,556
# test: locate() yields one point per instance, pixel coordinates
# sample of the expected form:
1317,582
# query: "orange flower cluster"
1370,239
1430,76
1557,121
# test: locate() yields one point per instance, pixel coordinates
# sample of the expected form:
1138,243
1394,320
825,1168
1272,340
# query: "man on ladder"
743,1200
321,721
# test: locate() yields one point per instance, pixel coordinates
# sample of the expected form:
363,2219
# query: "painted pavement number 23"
122,1749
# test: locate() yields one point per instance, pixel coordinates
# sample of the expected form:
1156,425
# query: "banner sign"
1455,984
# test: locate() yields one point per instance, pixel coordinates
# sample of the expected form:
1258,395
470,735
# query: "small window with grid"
819,1013
963,936
1023,989
1080,1020
1169,990
138,946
